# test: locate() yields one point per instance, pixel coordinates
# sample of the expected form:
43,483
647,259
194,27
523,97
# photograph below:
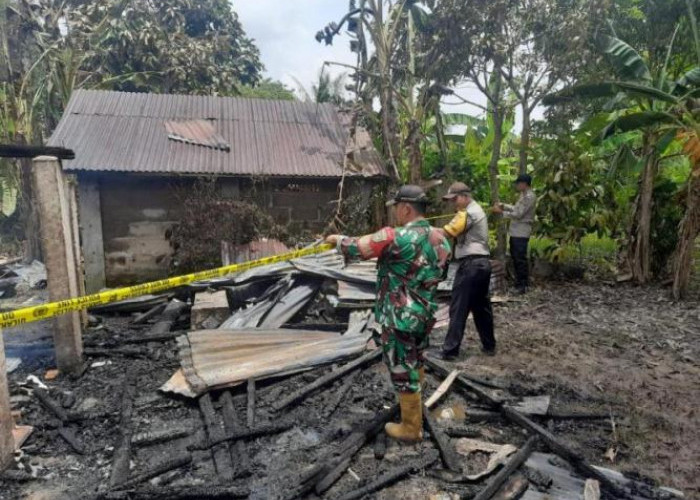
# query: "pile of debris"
284,397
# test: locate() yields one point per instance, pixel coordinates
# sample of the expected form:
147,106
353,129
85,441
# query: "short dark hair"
419,207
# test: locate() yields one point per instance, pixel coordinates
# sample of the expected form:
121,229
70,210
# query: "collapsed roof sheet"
213,359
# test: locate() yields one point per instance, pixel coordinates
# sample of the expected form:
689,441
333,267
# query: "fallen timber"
263,430
391,477
449,456
327,379
179,493
576,460
122,451
239,454
513,464
220,452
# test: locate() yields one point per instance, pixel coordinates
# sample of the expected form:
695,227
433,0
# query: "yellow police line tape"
44,311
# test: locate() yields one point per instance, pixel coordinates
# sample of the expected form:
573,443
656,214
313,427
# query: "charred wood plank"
380,446
127,352
513,464
239,453
390,477
302,393
181,493
464,432
161,436
262,430
448,454
340,395
331,466
463,382
513,489
150,314
122,451
250,415
169,317
43,396
157,337
220,453
158,470
26,151
68,435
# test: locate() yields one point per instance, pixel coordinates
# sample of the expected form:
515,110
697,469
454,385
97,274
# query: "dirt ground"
624,351
628,351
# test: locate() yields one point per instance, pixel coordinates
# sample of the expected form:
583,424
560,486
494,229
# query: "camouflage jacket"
411,261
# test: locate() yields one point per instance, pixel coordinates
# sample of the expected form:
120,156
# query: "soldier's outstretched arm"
364,247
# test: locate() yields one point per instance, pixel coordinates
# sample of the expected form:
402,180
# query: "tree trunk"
415,159
497,115
29,219
688,232
525,136
639,250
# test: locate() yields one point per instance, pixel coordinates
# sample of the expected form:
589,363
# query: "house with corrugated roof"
132,151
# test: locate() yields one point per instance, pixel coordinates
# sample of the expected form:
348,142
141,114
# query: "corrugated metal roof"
126,132
196,132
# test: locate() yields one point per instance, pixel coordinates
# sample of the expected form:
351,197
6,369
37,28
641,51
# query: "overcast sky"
284,31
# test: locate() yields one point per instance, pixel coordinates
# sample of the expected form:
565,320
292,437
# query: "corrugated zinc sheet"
126,132
213,359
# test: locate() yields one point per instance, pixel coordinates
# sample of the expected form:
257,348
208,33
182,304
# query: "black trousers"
470,293
518,252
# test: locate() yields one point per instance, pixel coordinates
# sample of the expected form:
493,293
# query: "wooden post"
91,233
53,204
7,443
71,184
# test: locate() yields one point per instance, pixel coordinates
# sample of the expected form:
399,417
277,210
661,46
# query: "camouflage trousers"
403,355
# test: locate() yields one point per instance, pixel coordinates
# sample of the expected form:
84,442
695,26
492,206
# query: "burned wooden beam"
160,436
463,382
331,466
220,453
43,396
26,151
150,314
250,414
239,453
302,393
340,394
169,316
464,432
68,435
513,464
122,450
127,352
263,430
448,454
158,470
380,446
513,489
156,337
181,493
391,477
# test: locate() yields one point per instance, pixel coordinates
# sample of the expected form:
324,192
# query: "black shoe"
488,352
445,356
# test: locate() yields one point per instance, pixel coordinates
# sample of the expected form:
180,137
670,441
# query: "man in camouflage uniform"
411,262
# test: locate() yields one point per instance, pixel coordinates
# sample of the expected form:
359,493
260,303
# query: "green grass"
592,247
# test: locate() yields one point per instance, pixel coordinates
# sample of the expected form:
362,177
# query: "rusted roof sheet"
196,132
213,359
126,132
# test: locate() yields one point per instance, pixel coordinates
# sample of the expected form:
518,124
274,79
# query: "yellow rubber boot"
411,427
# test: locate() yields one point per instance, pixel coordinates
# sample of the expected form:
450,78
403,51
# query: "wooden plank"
302,393
7,445
59,257
25,151
232,424
122,450
220,454
90,212
251,403
442,389
519,458
448,454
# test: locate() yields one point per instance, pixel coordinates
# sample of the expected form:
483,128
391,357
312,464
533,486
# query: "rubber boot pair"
410,429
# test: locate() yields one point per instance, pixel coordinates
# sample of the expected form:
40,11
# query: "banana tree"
664,111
